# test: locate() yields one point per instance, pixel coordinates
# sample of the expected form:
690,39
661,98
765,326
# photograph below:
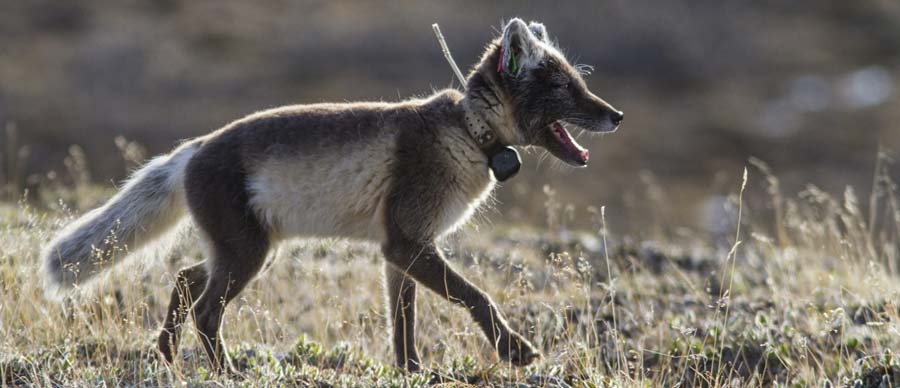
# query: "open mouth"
573,152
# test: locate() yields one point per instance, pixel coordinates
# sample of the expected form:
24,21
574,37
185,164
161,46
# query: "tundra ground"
809,298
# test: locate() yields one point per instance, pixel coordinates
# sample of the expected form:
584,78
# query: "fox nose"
617,117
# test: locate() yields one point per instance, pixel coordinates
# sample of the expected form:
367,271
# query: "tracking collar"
503,160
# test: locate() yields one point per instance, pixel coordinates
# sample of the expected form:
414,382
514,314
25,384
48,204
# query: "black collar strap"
503,160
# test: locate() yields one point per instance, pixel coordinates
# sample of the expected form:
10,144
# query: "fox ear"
520,49
539,31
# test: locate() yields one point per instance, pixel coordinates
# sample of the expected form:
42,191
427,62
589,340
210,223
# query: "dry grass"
808,297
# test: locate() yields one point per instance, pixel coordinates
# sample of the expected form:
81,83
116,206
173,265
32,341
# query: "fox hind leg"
217,196
237,258
189,283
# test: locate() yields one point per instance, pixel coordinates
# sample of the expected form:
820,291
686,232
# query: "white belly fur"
341,193
328,194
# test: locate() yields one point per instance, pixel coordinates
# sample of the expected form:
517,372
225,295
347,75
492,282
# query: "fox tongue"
571,147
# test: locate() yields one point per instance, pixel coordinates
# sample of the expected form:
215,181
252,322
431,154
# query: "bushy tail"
150,203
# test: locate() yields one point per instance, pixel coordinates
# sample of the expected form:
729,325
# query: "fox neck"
485,103
488,123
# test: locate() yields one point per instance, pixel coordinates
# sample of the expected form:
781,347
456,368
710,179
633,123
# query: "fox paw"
518,351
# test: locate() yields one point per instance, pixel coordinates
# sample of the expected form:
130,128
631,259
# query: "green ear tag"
505,163
514,67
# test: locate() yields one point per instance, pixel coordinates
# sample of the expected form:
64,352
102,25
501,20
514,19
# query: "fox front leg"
426,264
401,299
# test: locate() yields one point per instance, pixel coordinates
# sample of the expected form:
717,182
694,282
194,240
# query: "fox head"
541,93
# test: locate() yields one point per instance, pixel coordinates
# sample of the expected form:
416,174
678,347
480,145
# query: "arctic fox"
401,174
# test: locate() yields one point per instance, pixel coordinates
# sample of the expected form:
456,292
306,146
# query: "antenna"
446,50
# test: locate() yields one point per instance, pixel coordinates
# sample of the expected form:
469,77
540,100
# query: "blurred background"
809,87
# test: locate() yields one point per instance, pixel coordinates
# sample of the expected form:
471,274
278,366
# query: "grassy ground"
807,299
